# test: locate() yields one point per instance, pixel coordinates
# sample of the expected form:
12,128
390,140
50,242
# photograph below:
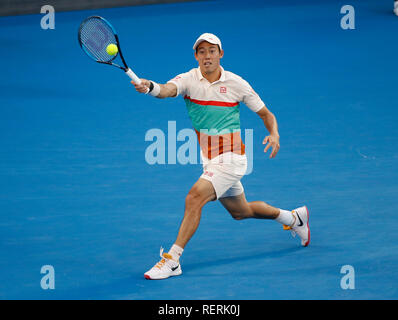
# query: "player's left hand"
272,141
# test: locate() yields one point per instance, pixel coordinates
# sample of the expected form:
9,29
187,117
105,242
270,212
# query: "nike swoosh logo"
175,268
301,221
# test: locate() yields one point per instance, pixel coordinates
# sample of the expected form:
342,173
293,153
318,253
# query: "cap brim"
198,42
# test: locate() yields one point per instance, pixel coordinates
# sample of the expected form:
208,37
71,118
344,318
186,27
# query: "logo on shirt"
208,173
223,89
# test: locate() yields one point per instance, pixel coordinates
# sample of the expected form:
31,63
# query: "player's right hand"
143,86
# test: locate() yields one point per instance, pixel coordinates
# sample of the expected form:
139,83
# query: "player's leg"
239,208
201,193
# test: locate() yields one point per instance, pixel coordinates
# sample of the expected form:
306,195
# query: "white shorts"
225,172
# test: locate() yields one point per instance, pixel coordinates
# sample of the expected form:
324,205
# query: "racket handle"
134,77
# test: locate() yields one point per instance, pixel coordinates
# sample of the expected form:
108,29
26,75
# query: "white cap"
209,37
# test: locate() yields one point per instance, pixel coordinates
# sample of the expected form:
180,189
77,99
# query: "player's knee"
242,214
193,199
237,216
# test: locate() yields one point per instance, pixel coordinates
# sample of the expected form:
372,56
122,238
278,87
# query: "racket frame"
126,69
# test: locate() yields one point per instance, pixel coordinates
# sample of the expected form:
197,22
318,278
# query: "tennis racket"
94,35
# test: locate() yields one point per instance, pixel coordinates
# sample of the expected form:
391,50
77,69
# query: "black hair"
219,49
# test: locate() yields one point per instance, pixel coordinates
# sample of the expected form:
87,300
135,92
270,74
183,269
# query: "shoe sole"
172,275
308,226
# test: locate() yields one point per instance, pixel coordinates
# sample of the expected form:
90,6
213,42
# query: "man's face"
208,56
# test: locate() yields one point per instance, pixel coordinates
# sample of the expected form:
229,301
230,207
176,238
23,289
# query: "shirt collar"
200,76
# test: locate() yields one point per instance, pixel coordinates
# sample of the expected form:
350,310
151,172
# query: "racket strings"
94,37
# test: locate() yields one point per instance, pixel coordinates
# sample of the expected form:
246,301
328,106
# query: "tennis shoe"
165,268
301,226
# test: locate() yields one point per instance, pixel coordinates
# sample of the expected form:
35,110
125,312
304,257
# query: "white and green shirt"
214,109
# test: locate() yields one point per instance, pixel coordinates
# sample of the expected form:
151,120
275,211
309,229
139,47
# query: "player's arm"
162,91
271,124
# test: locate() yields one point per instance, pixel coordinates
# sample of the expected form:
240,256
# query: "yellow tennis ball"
111,49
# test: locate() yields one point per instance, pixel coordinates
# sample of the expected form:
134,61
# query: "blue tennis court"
77,193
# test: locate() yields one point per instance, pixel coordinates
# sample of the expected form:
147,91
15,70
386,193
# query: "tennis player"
212,96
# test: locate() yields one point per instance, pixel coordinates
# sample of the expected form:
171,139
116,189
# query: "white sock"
176,252
286,217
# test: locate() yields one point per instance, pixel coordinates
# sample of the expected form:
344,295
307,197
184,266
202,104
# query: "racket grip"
133,76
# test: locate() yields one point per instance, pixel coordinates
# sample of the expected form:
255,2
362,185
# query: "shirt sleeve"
251,98
182,83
